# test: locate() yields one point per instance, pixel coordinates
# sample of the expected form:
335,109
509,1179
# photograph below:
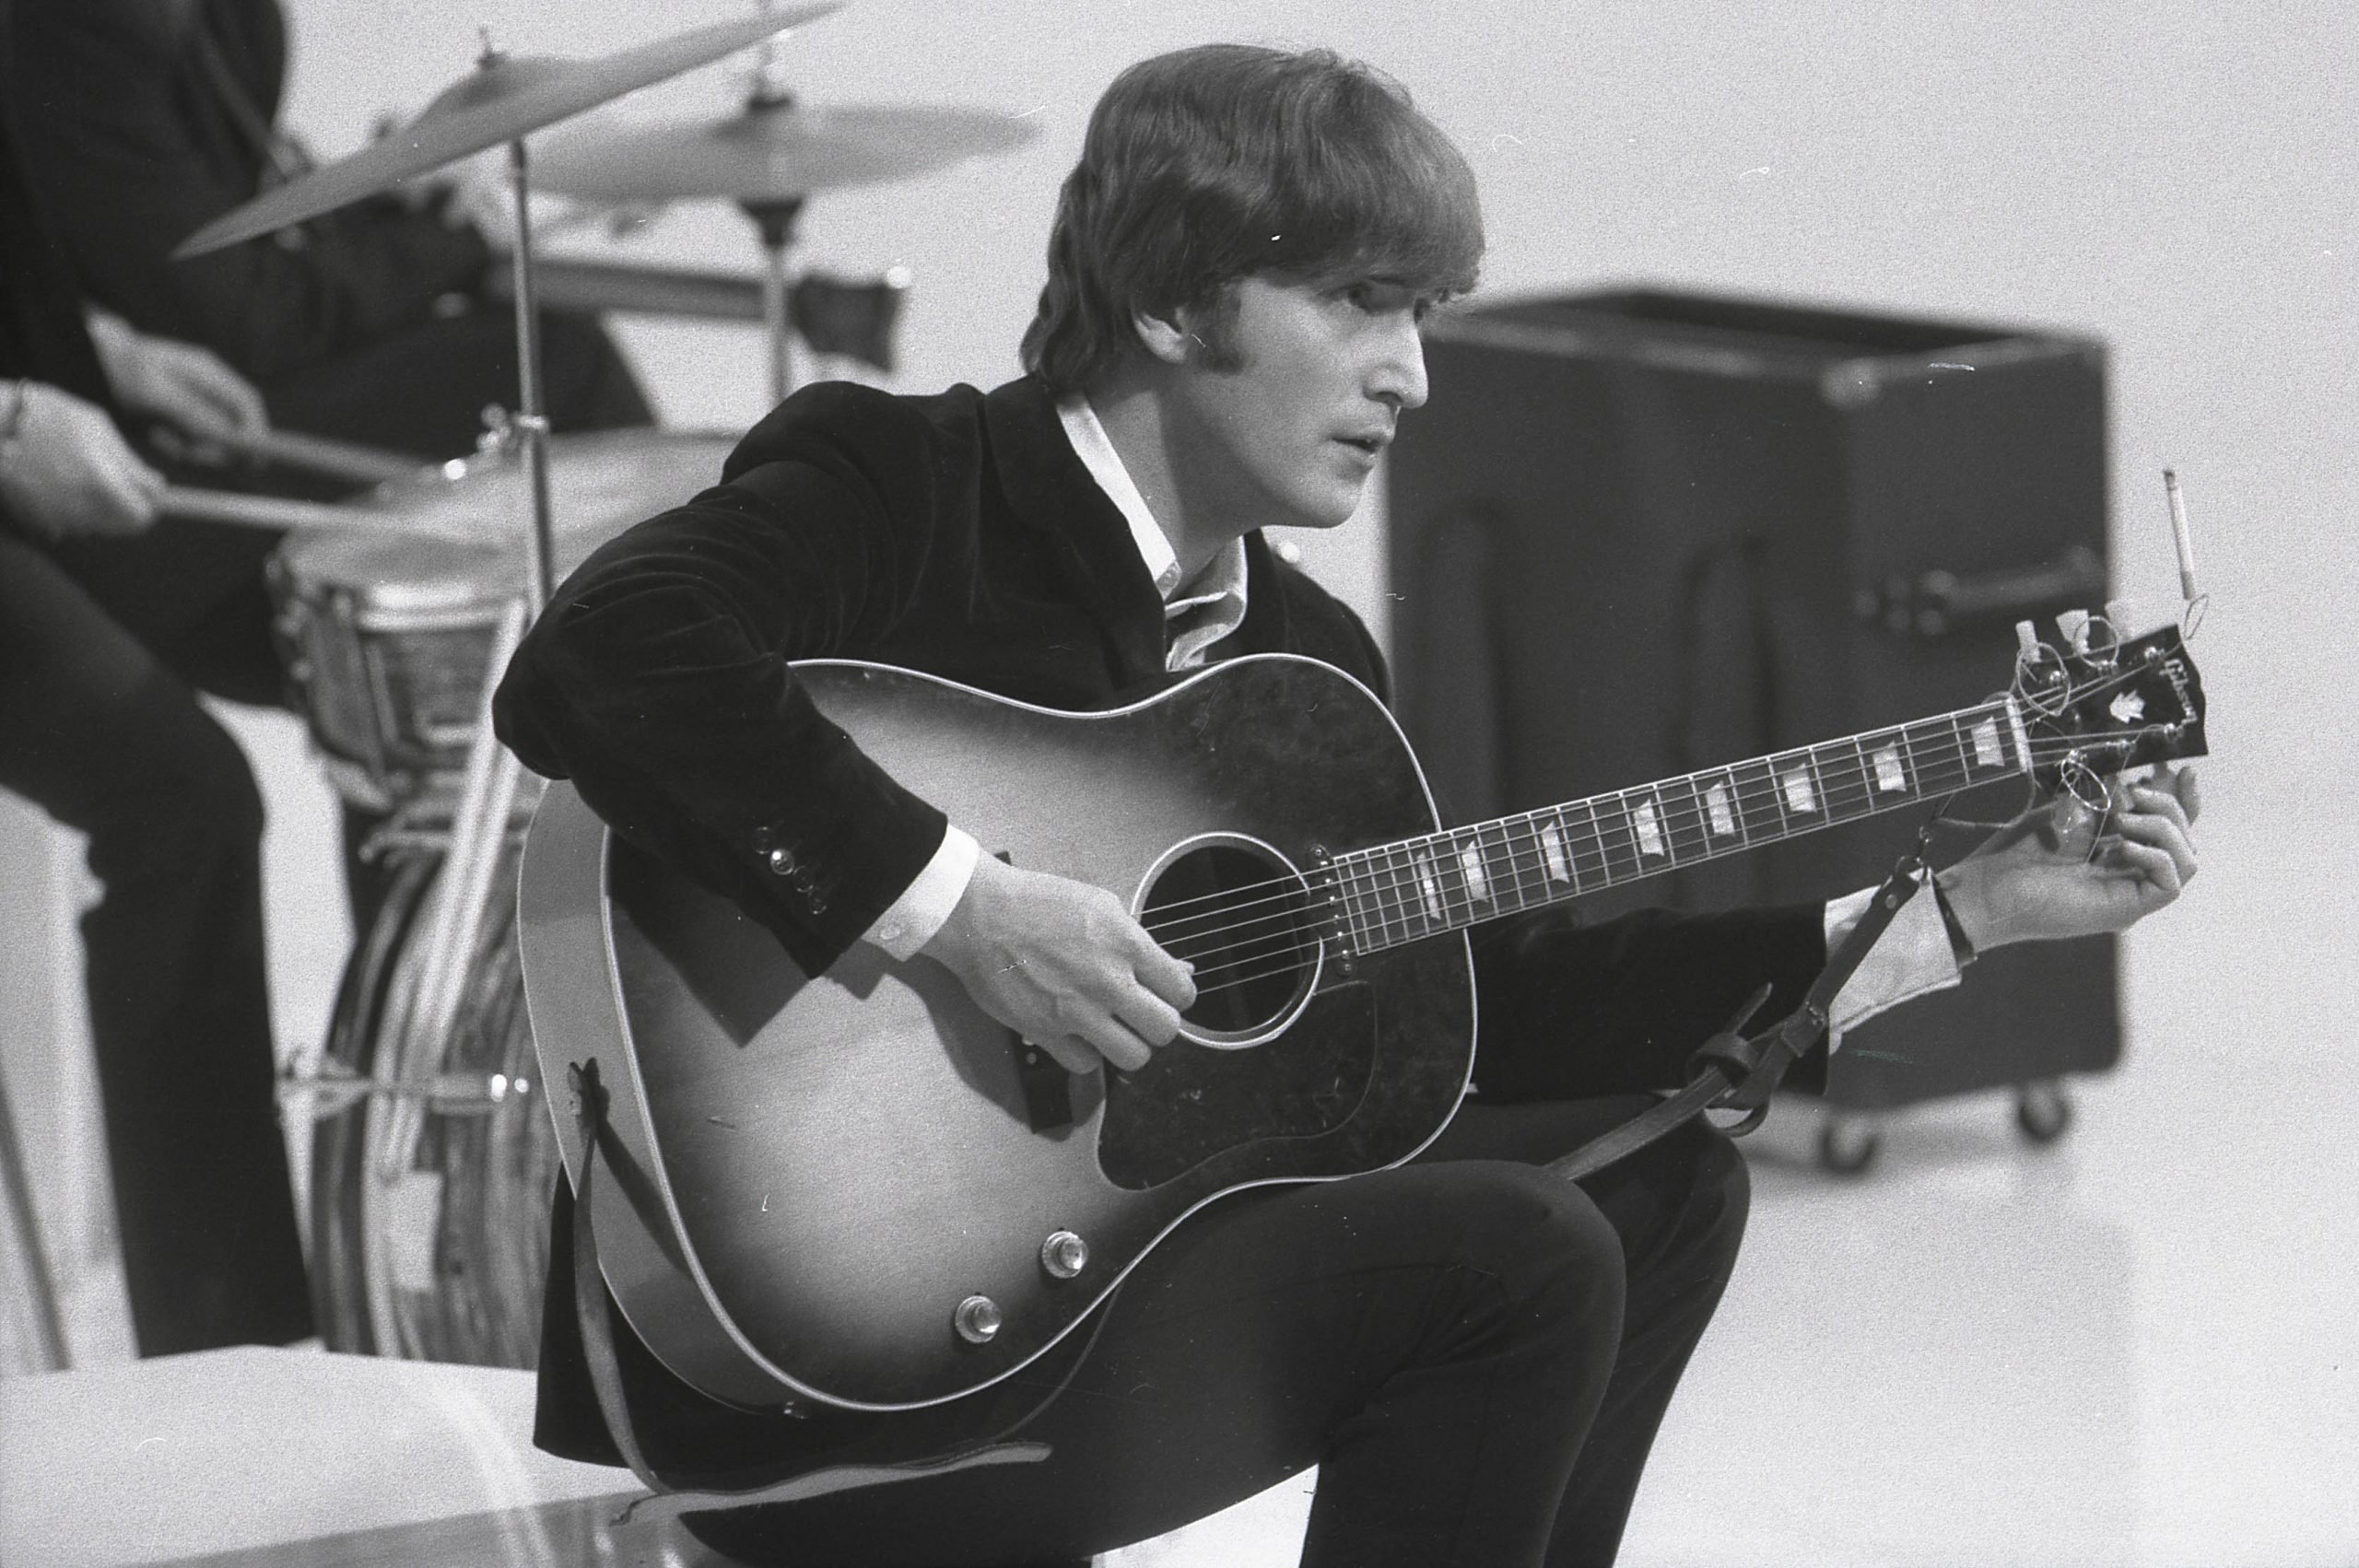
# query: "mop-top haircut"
1210,164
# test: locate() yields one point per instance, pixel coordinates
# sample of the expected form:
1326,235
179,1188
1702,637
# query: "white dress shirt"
1911,959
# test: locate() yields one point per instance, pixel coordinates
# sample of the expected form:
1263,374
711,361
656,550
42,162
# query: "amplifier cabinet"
1635,533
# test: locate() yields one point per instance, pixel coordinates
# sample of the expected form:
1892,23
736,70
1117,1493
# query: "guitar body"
811,1174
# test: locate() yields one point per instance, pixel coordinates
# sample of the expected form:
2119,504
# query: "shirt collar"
1224,575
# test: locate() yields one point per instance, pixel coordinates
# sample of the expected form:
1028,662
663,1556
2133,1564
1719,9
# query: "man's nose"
1399,374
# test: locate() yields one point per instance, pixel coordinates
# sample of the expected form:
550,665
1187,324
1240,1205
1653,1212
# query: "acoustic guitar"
857,1187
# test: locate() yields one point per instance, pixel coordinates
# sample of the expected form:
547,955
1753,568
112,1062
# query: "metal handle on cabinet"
1936,602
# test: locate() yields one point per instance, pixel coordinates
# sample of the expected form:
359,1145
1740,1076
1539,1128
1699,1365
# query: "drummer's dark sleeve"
131,147
658,679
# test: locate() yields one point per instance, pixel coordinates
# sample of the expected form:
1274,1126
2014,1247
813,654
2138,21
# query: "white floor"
2136,1349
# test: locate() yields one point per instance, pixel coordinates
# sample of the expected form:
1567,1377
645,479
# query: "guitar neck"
1392,894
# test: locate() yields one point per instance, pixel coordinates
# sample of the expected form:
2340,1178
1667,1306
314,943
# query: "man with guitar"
1475,1352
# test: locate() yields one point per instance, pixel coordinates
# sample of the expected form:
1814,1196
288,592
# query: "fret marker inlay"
1799,793
1470,861
1648,827
1716,806
1430,888
1890,776
1552,851
1986,744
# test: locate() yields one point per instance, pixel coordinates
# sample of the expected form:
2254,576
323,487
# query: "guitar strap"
605,1374
1734,1073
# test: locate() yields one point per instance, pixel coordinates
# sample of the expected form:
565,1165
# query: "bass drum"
430,1184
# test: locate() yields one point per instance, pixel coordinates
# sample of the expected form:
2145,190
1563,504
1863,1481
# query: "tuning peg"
2026,640
2073,627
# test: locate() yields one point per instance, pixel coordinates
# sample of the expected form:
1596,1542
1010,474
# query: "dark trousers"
1474,1353
99,731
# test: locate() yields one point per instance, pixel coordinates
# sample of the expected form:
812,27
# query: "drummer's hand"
177,381
69,471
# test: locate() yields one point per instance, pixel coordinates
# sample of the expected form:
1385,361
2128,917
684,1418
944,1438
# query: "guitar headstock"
2106,705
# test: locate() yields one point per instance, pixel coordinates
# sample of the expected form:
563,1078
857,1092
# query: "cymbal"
503,99
768,152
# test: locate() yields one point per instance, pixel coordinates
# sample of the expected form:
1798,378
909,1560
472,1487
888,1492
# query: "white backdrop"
2177,177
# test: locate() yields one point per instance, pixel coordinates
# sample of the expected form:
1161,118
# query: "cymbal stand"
775,221
479,827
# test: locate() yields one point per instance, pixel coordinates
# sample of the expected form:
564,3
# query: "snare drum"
387,635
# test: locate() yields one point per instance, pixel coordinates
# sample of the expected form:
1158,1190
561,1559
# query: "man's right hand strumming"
1064,965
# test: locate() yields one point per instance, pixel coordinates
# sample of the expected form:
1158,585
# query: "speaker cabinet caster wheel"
1848,1145
2043,1110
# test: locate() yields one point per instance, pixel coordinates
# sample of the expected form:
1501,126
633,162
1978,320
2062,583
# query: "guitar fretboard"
1404,891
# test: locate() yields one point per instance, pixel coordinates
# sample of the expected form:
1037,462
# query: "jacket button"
782,862
763,839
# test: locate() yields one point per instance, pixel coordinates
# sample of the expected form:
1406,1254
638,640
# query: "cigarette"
2179,537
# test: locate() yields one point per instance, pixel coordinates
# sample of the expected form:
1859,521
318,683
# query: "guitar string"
1843,784
1414,912
1996,709
1746,798
1292,960
1511,860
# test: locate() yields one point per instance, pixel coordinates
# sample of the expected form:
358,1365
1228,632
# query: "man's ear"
1165,337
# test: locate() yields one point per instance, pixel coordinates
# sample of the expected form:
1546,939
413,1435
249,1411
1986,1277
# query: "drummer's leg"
423,390
101,736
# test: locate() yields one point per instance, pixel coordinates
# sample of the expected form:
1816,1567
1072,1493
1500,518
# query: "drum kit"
432,1156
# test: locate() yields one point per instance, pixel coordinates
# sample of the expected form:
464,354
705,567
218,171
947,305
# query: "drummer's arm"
65,469
659,681
178,382
122,178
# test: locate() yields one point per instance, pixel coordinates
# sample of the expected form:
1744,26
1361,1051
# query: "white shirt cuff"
1912,957
927,902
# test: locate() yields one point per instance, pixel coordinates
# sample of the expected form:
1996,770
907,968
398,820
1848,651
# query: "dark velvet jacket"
959,534
142,119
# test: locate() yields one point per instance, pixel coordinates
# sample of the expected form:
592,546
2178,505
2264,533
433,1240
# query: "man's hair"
1206,166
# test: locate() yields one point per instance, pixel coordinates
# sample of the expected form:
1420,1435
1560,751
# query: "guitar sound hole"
1238,913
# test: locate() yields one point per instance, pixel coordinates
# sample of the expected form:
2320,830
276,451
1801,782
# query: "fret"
1425,880
1722,818
1961,752
1359,901
1887,769
1649,830
1690,840
1556,862
2023,737
1758,810
1584,840
1400,883
1797,789
1617,843
1507,865
1848,796
1988,753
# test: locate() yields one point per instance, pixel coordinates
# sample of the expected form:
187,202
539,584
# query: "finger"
1113,1038
125,490
2149,802
1148,1016
1074,1056
1169,978
236,396
2148,863
2161,832
2183,786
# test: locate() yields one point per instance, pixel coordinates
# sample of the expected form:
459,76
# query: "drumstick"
318,455
271,512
